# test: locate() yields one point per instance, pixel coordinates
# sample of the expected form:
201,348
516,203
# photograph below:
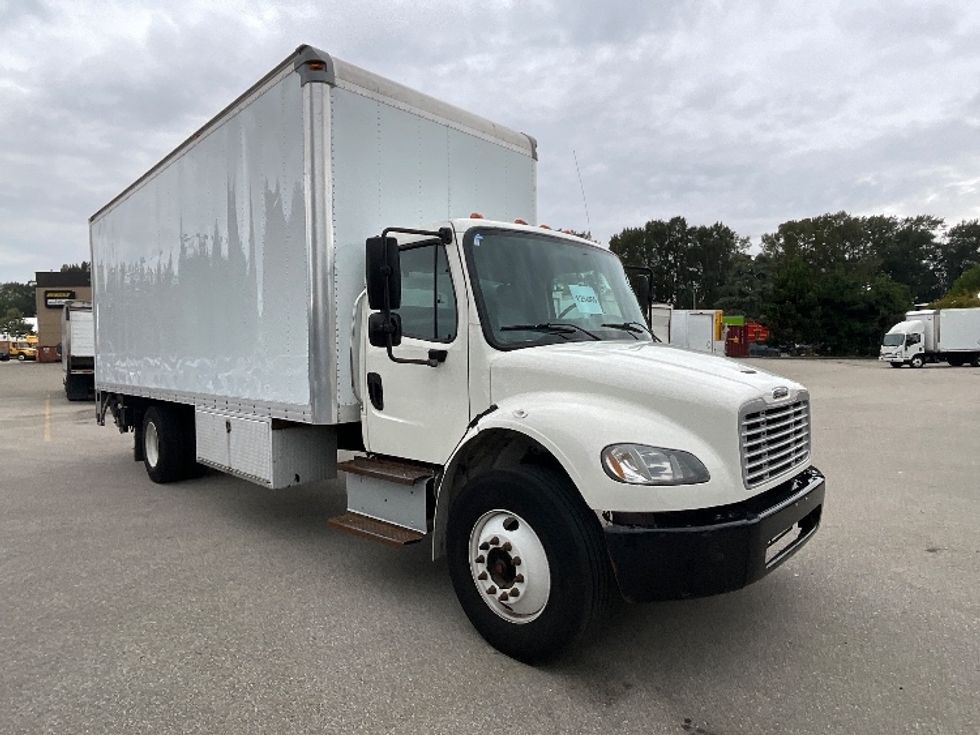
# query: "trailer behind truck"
337,262
934,335
78,350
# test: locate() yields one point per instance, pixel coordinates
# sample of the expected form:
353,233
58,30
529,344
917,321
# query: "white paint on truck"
304,276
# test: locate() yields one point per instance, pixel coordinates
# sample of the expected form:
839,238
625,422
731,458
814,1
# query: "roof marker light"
519,221
476,215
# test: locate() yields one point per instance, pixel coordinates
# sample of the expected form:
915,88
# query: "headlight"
637,464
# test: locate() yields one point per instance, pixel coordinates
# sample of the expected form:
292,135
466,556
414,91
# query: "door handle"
376,391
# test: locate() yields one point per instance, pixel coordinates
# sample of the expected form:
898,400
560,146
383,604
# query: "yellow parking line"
47,418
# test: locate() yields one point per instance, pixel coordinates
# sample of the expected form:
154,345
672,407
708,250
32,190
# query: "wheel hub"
509,566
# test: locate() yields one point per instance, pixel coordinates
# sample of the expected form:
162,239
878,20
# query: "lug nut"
506,546
519,578
491,590
494,541
484,546
480,559
481,576
503,597
515,592
516,561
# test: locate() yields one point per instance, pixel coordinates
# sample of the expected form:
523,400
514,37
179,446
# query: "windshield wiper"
553,327
633,328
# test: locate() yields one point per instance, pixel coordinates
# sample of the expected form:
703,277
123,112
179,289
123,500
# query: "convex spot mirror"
380,325
383,273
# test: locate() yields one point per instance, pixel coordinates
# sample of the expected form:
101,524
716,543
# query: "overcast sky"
751,113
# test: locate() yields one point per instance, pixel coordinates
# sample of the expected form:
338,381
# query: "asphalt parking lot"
217,606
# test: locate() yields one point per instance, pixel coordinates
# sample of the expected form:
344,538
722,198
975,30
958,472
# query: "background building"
53,289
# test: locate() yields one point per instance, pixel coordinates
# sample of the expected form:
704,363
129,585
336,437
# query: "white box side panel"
201,273
391,167
250,448
211,437
303,454
82,339
959,329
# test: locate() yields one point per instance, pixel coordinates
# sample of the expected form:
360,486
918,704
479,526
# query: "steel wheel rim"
509,566
151,444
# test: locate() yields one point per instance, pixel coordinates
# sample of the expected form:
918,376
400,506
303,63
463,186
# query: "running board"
375,530
401,473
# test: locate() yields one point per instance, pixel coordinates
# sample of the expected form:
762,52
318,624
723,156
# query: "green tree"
18,296
956,253
12,323
690,264
964,293
79,269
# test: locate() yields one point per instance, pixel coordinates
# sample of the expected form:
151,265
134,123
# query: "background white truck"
78,350
301,277
934,335
698,329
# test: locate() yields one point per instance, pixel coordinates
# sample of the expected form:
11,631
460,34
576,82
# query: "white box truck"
307,274
933,335
78,350
697,329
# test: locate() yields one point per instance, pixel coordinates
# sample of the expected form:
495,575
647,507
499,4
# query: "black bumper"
666,556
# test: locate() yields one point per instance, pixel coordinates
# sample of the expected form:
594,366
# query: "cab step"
402,473
375,530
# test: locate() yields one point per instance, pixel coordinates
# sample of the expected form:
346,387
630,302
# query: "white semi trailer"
78,350
934,335
307,274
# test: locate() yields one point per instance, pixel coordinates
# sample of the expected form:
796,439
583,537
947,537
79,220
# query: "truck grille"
774,441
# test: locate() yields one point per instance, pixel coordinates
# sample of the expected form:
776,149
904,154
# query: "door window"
428,308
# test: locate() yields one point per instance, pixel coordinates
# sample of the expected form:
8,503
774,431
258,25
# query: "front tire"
527,561
895,364
168,444
917,361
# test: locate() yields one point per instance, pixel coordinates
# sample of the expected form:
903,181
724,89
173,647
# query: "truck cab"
904,343
521,355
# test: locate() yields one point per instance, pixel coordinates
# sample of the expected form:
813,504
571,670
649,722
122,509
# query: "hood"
632,371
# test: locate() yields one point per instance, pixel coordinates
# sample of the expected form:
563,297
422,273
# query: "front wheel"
21,357
917,361
895,364
527,561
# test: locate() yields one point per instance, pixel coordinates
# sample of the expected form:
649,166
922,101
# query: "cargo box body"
226,276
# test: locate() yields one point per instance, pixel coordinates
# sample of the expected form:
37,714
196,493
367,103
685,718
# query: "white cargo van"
308,273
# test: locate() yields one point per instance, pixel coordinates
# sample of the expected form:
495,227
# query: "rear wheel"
168,444
917,361
956,361
527,561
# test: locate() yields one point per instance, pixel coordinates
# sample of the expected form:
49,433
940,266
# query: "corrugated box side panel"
398,166
202,271
82,341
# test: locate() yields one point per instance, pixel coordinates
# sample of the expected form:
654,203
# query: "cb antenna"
585,203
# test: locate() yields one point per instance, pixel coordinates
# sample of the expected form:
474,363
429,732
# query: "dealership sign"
57,299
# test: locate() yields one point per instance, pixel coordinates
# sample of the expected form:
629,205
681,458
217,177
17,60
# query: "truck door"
413,411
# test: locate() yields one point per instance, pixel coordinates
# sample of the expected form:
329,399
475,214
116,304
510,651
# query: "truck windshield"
893,340
538,289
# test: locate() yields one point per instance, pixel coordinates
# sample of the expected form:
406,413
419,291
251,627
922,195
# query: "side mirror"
381,326
383,273
641,287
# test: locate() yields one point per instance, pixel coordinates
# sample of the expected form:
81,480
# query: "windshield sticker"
586,300
477,240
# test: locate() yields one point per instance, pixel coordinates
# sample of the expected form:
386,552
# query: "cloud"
749,113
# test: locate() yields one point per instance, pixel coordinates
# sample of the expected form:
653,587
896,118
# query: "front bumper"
665,556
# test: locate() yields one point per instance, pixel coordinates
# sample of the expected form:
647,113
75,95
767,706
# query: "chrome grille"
774,441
